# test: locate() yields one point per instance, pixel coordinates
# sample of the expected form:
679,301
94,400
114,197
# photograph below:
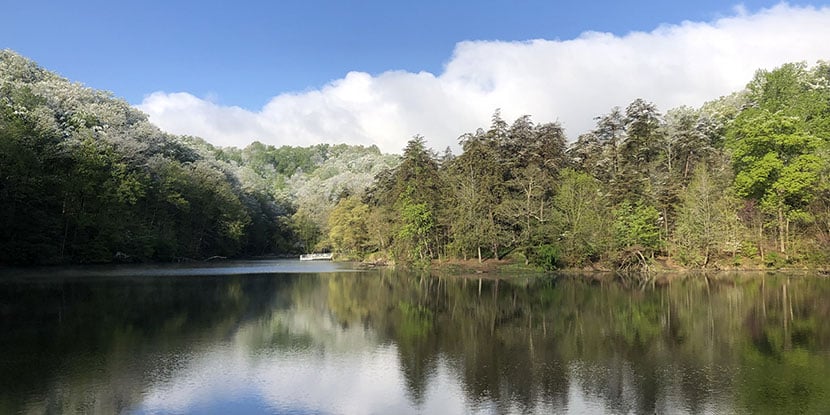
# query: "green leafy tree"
636,225
416,230
410,191
479,188
32,172
707,222
348,233
527,207
775,164
469,220
581,217
532,159
306,230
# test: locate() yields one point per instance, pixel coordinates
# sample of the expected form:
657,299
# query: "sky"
380,72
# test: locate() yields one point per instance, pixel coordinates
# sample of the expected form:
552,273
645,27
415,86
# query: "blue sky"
244,53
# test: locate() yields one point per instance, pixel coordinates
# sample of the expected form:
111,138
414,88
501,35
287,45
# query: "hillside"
85,177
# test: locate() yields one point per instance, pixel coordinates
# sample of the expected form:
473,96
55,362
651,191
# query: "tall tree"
639,152
582,218
707,222
413,191
775,164
479,186
348,230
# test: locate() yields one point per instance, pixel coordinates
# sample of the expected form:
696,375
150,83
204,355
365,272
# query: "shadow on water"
394,342
77,332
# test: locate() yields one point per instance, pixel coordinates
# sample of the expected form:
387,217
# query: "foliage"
775,146
84,177
348,232
706,220
637,225
417,224
694,184
581,218
548,256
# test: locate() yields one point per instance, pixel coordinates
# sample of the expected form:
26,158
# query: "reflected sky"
344,371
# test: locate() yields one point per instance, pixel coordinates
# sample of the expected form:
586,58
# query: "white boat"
316,257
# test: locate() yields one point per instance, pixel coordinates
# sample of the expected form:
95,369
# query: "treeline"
84,178
742,181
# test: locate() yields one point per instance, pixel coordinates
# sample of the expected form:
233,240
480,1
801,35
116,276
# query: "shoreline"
507,269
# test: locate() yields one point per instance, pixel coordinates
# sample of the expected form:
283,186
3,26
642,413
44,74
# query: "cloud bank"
570,81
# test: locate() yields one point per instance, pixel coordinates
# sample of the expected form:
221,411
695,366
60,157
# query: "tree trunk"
666,230
495,241
781,231
686,167
761,239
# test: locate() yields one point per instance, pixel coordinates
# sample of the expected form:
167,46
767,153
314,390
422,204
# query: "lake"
291,337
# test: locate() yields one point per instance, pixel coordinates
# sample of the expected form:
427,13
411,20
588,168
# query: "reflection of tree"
783,373
523,343
76,345
731,344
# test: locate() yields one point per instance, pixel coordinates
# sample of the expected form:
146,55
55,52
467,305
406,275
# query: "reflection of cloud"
219,374
362,382
343,371
571,81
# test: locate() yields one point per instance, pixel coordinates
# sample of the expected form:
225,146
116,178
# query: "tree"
32,171
642,127
417,176
775,164
479,184
348,233
636,226
686,142
707,221
610,134
581,217
417,227
411,192
306,230
468,222
530,163
636,178
526,207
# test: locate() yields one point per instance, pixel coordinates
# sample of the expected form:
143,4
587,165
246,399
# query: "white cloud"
570,81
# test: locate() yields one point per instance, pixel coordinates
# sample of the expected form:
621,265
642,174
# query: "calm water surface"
288,337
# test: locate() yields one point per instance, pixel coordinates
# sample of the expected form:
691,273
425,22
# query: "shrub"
548,257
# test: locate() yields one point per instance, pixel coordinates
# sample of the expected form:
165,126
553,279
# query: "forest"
741,182
86,178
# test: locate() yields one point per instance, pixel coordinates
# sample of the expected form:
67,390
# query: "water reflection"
364,343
